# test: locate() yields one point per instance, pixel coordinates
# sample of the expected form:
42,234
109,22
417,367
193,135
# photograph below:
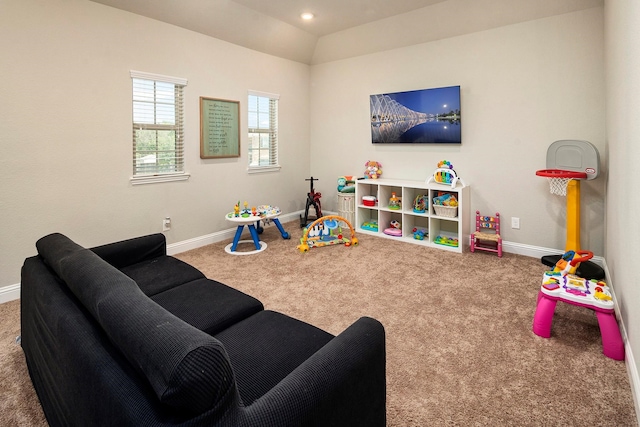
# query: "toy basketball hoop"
569,161
559,179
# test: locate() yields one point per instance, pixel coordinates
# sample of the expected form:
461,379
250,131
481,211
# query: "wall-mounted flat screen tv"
427,116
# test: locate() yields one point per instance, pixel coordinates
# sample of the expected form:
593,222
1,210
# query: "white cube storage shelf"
436,225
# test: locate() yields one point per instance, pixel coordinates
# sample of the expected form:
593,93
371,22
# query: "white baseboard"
9,293
218,236
539,252
629,360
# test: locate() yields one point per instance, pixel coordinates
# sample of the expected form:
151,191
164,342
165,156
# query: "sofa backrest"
186,368
132,251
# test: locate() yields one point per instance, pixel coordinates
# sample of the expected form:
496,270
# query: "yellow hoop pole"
573,216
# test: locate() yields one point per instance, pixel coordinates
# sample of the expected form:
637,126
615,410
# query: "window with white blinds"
263,131
158,128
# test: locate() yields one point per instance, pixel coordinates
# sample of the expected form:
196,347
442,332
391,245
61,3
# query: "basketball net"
558,186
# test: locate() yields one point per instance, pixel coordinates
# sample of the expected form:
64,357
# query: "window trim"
270,168
165,177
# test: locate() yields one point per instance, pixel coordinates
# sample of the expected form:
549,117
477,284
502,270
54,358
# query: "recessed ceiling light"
307,16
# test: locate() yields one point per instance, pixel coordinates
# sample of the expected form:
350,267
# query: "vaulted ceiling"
342,28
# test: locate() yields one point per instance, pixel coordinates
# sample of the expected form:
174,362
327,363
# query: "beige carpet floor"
460,350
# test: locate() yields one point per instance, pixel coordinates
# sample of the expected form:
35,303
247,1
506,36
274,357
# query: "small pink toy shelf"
561,285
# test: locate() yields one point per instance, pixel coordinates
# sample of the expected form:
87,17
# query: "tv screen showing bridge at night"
419,116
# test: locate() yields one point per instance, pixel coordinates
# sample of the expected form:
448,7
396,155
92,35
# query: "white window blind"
158,128
263,131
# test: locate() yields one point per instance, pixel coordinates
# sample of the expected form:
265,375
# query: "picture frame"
219,128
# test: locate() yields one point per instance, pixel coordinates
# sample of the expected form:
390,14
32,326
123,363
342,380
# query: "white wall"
66,127
524,86
622,42
66,123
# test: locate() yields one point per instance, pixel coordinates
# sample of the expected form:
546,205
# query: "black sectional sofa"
124,335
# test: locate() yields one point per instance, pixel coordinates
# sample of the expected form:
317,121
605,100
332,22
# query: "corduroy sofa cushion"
132,251
267,347
54,248
208,305
186,368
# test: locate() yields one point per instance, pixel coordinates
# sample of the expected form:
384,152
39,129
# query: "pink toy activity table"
583,293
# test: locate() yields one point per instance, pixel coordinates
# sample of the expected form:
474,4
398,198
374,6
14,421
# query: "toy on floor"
373,170
445,174
346,184
569,162
246,217
487,234
326,231
313,199
560,284
395,229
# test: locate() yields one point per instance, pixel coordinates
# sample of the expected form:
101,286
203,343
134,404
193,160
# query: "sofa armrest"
132,251
343,383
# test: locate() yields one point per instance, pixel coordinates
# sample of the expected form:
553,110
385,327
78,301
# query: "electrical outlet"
166,224
515,222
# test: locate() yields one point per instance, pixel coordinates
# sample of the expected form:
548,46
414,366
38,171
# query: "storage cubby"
442,228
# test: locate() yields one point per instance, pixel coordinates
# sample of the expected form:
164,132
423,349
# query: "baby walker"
568,162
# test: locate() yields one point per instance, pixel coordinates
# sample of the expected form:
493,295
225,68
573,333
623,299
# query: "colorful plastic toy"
326,231
270,213
445,174
420,203
394,229
569,162
446,241
560,284
394,202
370,225
246,217
420,233
445,199
569,262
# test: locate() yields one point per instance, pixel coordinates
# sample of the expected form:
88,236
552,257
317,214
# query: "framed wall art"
219,128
